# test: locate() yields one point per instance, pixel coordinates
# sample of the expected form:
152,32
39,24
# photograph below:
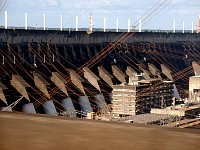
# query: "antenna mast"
91,24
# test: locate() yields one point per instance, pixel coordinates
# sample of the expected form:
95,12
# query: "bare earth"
34,132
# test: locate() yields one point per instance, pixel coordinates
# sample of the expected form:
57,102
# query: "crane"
198,27
3,4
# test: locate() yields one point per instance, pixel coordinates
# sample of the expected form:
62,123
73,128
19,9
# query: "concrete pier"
29,108
49,108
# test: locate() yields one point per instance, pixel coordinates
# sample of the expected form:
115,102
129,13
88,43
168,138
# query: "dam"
48,68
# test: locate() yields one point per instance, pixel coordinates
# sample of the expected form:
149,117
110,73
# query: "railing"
102,30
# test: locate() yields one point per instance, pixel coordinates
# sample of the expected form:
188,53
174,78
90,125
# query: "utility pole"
104,24
6,20
140,25
91,24
44,21
26,21
192,27
198,28
129,25
61,22
76,23
174,27
117,24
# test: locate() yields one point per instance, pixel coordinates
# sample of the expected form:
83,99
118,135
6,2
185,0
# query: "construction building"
194,84
132,99
142,93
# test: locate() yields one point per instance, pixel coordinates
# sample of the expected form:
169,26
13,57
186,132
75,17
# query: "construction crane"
198,28
3,3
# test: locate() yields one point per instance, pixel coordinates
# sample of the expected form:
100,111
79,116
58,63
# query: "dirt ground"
30,132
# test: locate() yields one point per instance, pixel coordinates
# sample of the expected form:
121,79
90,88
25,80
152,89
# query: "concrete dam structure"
51,71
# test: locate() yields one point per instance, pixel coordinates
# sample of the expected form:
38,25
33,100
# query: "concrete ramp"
59,81
20,85
76,80
2,96
119,74
105,75
92,78
41,84
166,71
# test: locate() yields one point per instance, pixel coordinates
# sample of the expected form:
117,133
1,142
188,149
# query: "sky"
178,10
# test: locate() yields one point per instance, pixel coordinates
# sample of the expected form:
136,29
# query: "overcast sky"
179,10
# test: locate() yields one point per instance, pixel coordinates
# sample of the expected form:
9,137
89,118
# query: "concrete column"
100,100
68,107
117,25
85,104
61,22
129,25
6,20
49,108
104,24
140,25
44,21
26,21
29,108
76,23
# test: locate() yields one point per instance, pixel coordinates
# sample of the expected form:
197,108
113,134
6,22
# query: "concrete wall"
64,37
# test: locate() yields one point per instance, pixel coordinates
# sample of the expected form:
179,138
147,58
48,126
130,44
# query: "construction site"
157,79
